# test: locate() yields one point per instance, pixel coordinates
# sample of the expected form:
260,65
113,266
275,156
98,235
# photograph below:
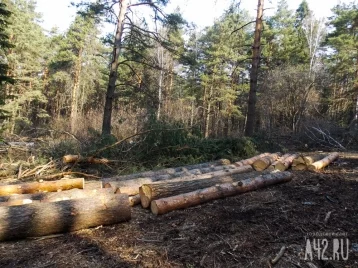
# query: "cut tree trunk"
44,186
299,167
165,205
131,187
310,159
286,162
134,200
251,160
39,219
282,158
150,192
324,162
298,161
20,199
264,162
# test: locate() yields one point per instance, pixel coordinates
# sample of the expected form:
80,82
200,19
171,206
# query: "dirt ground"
242,231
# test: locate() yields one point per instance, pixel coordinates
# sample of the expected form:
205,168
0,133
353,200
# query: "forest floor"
247,230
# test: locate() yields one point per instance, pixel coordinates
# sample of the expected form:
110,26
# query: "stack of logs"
47,207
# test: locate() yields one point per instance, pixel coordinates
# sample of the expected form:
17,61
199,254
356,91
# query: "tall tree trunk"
113,73
251,108
75,90
160,82
208,111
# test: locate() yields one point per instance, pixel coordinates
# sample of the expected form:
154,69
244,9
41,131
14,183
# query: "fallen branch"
279,255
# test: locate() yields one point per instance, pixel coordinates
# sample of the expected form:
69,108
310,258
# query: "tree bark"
256,50
39,219
324,162
45,186
131,187
165,205
264,162
15,200
154,191
113,72
251,160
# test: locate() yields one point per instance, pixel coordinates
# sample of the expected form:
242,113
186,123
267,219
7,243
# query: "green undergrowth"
161,145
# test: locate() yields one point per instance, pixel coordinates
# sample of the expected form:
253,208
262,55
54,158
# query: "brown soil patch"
242,231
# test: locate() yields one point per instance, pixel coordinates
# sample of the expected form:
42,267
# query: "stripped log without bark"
324,162
299,161
165,205
44,186
251,160
286,162
39,219
264,162
150,192
131,187
16,200
68,159
310,159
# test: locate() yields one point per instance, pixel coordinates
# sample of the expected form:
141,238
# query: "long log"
67,159
44,186
286,163
324,162
165,205
264,162
20,199
39,219
157,190
170,171
310,159
131,187
251,160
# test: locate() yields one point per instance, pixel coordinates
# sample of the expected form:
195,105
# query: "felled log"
131,187
169,171
251,160
282,158
39,219
298,161
165,205
324,162
134,200
264,162
299,167
44,186
20,199
310,159
157,190
67,159
284,164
